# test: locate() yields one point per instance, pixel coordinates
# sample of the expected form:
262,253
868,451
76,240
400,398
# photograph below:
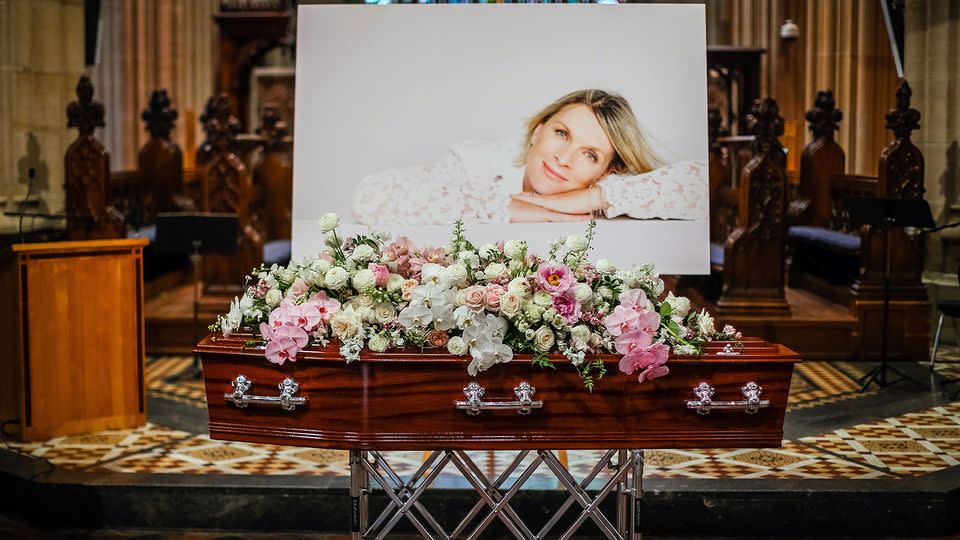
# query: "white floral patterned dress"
475,179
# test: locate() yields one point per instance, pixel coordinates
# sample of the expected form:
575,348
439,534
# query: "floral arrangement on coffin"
482,303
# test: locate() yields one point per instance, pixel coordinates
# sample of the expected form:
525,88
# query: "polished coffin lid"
412,400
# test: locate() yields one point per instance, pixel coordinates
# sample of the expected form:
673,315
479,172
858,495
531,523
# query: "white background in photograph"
382,87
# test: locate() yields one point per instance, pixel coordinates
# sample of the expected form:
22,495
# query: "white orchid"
487,354
415,315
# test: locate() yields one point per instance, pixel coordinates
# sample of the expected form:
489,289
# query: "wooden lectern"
75,349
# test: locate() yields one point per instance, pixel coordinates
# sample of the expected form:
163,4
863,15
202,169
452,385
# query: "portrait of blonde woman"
583,156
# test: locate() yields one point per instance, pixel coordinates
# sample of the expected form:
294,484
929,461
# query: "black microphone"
31,174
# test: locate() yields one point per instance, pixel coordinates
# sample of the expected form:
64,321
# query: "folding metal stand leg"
404,497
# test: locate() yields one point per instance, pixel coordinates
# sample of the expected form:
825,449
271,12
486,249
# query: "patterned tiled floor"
188,391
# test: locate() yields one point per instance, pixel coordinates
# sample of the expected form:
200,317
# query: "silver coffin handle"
474,402
241,396
750,404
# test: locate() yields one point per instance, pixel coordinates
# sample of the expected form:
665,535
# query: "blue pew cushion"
716,254
276,251
836,240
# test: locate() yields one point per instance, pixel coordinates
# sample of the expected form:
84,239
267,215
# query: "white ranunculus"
679,305
519,285
394,283
543,339
384,312
363,252
273,298
495,271
270,282
336,278
364,279
550,314
533,312
582,292
457,346
542,299
606,267
488,251
364,300
378,342
320,266
514,249
705,323
456,274
605,292
345,323
285,276
510,304
576,243
581,334
329,222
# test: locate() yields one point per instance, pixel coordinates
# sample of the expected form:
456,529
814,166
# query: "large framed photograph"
524,121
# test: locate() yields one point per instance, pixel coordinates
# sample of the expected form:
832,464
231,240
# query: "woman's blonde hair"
632,153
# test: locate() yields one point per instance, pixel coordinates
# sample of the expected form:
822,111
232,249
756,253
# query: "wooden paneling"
81,337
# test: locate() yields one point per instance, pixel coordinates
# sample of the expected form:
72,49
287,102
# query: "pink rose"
380,272
568,307
494,292
555,278
475,297
298,289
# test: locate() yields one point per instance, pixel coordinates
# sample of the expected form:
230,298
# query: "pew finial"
159,116
272,127
903,119
85,114
766,124
824,117
219,123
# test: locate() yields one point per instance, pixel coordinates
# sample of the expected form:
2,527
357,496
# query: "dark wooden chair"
273,179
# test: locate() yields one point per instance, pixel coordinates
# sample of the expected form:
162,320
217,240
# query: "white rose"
679,305
576,243
605,292
363,252
365,313
384,312
328,222
457,346
285,276
519,285
514,249
336,278
582,292
394,283
510,304
378,342
488,251
345,323
705,323
456,274
495,270
460,297
364,300
580,333
273,297
516,266
320,266
533,312
550,314
364,279
606,267
542,299
543,339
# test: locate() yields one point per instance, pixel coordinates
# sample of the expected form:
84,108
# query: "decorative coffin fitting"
413,401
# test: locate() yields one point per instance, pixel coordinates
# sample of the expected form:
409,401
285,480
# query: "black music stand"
196,234
884,213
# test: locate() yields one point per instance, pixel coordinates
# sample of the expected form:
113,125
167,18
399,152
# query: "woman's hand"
524,212
581,201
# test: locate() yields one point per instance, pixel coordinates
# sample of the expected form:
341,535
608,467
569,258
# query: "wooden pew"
273,177
90,215
723,196
753,260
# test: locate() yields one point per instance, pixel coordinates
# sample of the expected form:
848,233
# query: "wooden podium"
75,349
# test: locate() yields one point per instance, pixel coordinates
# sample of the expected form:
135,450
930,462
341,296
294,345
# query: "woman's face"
568,152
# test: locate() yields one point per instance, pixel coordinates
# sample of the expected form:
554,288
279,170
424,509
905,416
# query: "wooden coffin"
413,401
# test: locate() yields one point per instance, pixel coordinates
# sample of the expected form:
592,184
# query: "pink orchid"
633,340
556,279
648,321
326,306
282,314
568,307
650,360
280,350
380,272
652,373
288,331
306,316
623,319
266,331
635,299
